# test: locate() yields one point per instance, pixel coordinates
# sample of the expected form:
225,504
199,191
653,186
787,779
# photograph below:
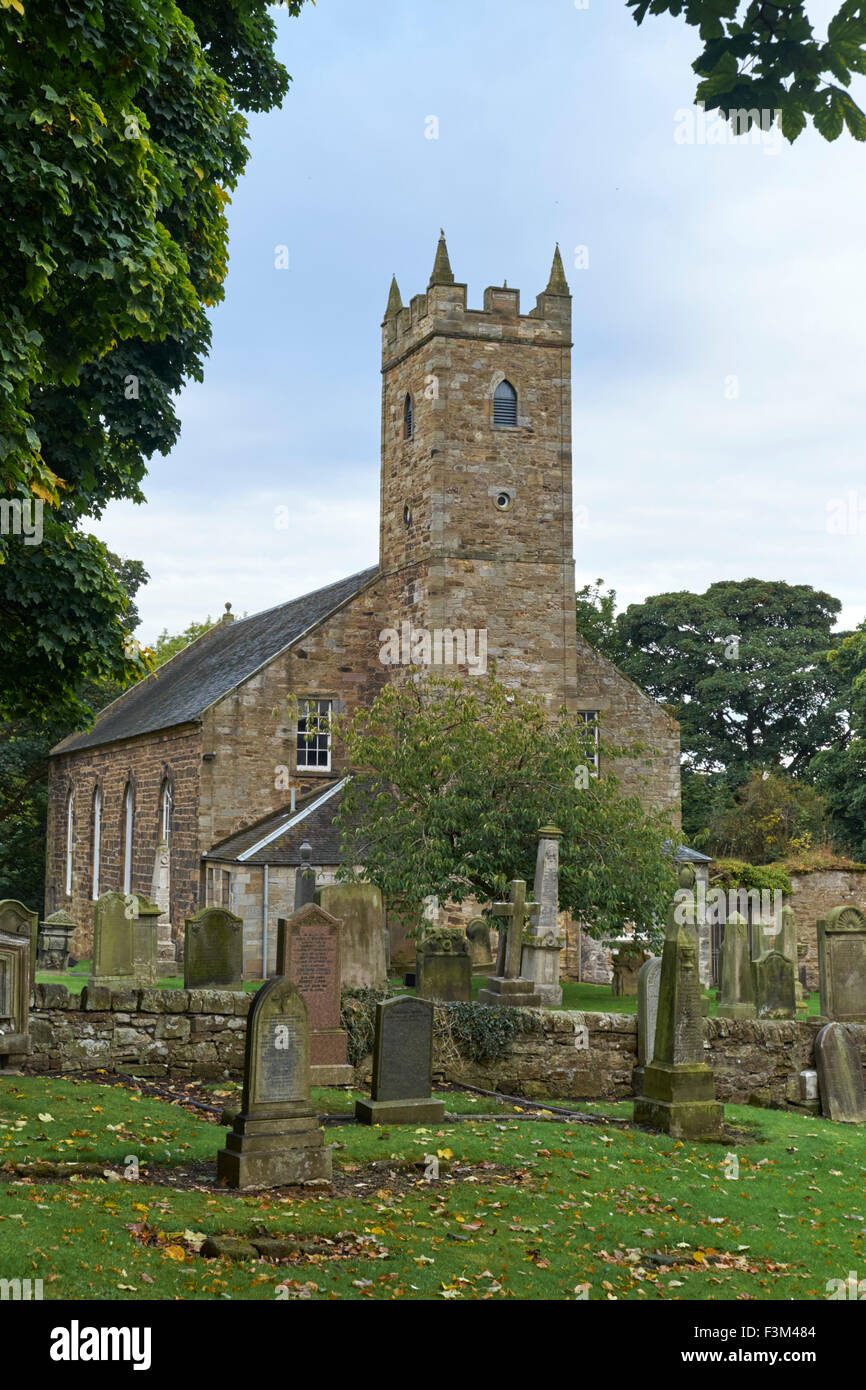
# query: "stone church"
197,786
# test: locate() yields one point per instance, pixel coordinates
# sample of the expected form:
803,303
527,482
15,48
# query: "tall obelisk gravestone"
679,1094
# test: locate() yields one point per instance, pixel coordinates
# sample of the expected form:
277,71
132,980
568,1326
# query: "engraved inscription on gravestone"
281,1049
5,990
849,969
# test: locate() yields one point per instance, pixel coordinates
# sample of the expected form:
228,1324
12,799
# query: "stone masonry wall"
144,762
812,897
147,1032
201,1033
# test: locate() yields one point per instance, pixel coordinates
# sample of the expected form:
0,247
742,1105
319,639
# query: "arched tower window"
128,824
70,840
97,836
505,404
408,418
166,801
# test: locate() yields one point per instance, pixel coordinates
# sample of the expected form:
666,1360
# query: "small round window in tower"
503,501
407,514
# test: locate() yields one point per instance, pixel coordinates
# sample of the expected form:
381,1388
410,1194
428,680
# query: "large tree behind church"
121,138
451,782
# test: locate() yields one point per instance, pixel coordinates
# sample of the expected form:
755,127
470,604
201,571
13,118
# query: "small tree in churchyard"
451,782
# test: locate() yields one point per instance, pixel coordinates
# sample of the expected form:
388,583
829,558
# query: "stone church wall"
144,761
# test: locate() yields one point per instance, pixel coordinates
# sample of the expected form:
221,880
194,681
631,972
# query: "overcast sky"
719,326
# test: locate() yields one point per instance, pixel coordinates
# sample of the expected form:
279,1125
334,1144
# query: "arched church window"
505,404
70,840
128,825
97,836
408,418
166,801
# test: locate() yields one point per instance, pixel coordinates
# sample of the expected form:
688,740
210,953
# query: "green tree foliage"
764,57
596,619
121,138
25,743
771,816
167,646
451,783
743,669
840,771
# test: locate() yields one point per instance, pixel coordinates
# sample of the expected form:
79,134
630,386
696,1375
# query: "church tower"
476,512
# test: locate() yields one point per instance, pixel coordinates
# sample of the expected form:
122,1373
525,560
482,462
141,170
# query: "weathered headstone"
774,986
400,1092
55,940
18,920
480,947
213,955
842,965
145,940
444,966
679,1094
113,963
160,893
363,940
736,977
276,1139
648,982
543,941
840,1075
308,952
628,958
508,986
15,939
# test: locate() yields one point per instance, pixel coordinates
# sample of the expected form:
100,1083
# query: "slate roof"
182,689
312,820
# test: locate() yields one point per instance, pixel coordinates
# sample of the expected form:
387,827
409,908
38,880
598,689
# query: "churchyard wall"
565,1055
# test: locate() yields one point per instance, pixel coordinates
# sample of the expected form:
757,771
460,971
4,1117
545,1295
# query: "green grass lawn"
563,1206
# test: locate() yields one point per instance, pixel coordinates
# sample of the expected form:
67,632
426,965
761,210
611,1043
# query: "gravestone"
678,1095
842,965
736,977
400,1092
145,945
774,986
840,1075
160,893
113,963
15,939
363,940
648,982
480,946
628,959
55,940
213,954
276,1139
543,941
444,967
308,953
18,920
508,987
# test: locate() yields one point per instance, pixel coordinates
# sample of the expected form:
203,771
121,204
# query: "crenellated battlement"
442,311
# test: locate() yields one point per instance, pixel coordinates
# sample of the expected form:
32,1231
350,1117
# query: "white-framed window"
166,802
70,840
590,716
314,734
97,836
128,827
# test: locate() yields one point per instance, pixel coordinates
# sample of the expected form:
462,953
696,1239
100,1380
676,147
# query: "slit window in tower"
505,404
408,418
